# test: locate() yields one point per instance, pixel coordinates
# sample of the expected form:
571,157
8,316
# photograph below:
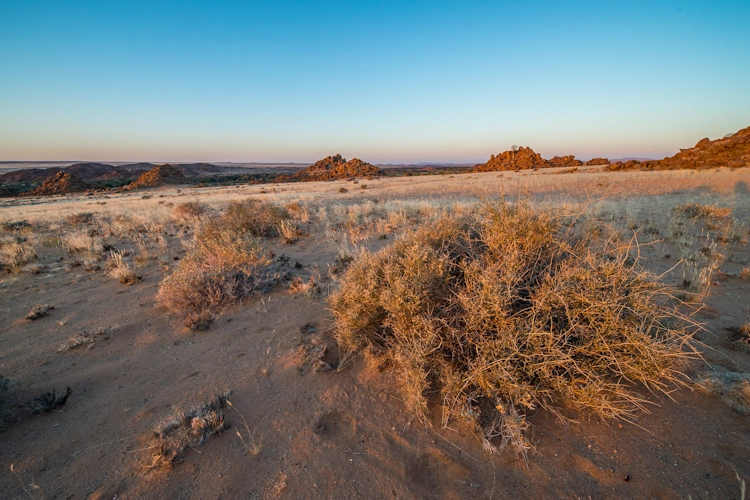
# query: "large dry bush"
510,311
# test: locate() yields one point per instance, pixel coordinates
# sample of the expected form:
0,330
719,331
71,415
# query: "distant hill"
60,183
158,176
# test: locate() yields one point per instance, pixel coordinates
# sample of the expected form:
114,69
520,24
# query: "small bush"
732,388
222,268
343,190
47,402
39,311
189,211
199,320
288,230
174,435
508,312
249,216
80,218
14,255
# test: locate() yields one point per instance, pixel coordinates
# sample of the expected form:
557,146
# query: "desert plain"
297,416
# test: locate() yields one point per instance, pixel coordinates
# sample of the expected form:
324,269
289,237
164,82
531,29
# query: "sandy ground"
331,434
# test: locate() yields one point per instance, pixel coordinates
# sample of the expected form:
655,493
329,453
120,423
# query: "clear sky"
386,81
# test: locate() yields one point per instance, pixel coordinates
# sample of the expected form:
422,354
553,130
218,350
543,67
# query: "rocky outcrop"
335,167
158,176
520,159
565,161
597,161
730,151
60,183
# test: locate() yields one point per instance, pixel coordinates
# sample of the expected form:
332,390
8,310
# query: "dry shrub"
189,211
39,311
185,430
47,402
79,218
309,287
288,230
199,320
733,388
223,267
249,216
745,274
84,338
508,311
6,405
741,338
698,211
82,241
16,253
121,270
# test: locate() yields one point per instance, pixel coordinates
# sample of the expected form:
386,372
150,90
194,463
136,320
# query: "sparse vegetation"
509,312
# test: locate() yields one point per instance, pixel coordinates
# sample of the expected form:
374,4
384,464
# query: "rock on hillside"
158,176
597,161
522,159
730,151
336,167
565,161
60,183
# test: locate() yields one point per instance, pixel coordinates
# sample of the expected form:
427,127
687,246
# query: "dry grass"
120,269
16,252
184,430
698,211
288,230
507,312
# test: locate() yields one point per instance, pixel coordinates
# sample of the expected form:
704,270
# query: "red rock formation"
335,167
565,161
732,151
597,161
522,159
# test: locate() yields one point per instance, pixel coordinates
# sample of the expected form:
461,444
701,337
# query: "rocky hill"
158,176
597,161
730,151
60,183
565,161
335,167
521,159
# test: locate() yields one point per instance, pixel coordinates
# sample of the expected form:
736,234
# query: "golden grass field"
206,355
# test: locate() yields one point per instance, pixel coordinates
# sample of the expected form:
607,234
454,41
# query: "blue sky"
386,81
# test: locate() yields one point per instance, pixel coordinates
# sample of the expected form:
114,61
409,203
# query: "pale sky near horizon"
385,81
